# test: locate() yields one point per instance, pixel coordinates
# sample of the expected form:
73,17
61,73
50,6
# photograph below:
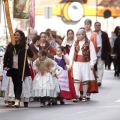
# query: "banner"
32,13
21,9
7,13
0,11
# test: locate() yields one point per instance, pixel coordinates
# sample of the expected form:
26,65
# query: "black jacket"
20,50
105,46
116,48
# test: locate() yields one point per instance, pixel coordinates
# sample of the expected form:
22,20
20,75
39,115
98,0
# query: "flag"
32,13
21,9
0,11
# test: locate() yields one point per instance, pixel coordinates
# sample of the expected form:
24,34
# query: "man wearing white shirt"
103,51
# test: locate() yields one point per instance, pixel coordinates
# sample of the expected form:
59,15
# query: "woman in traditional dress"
34,46
43,83
45,45
68,41
53,42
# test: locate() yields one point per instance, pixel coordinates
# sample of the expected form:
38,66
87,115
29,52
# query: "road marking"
118,100
1,111
11,109
86,111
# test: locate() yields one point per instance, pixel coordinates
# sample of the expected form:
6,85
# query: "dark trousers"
117,68
17,83
108,61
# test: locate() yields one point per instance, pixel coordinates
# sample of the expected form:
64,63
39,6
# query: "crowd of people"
48,68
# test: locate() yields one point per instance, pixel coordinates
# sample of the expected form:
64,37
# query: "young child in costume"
43,83
62,74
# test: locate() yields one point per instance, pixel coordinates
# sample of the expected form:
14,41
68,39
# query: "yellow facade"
88,11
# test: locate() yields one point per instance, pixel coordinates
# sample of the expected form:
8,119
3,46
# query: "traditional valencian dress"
82,55
93,36
48,48
43,83
67,90
66,45
35,50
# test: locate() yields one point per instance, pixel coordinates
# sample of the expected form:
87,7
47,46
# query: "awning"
110,3
50,3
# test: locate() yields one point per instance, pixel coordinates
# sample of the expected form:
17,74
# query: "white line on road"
86,111
118,100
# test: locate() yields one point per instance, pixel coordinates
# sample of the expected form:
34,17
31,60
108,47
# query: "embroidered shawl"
44,66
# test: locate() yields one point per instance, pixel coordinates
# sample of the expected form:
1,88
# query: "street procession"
59,55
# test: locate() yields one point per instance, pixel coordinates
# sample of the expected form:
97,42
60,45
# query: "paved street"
102,106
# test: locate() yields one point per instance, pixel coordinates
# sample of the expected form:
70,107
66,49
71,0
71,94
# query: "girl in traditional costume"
43,84
67,44
65,81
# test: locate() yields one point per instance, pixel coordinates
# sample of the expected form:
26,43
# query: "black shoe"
99,83
25,104
109,68
80,98
54,103
62,102
49,103
12,103
42,104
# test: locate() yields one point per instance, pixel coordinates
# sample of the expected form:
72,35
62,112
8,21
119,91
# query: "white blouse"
15,61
